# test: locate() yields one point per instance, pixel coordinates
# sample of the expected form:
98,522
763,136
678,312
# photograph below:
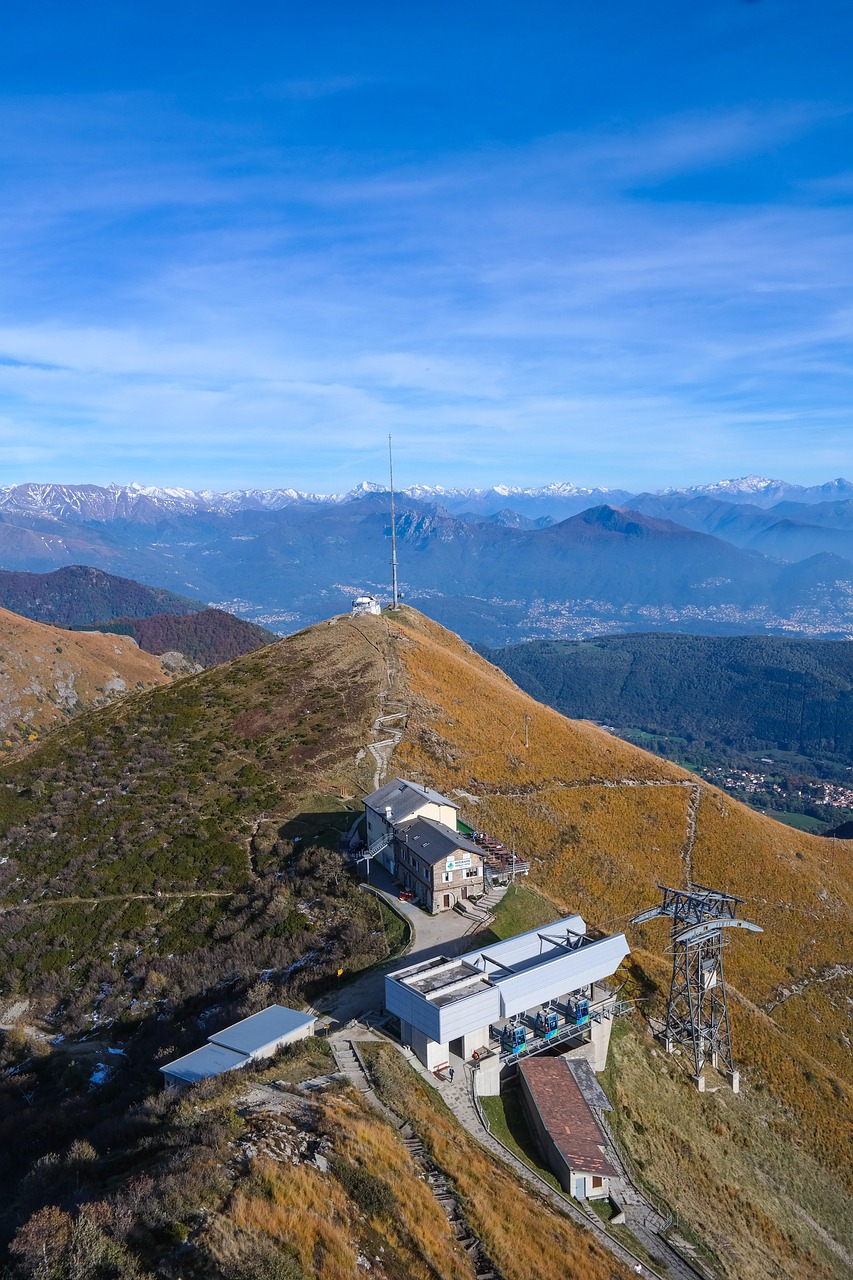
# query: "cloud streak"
193,304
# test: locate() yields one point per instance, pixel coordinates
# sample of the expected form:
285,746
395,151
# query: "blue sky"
606,243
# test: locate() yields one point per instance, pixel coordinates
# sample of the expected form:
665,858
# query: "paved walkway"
448,933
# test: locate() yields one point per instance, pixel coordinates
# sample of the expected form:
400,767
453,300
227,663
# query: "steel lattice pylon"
697,1015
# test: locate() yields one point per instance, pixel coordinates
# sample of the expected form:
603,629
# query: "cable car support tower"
697,1015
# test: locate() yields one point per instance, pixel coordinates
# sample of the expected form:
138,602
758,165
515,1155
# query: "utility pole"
394,593
527,730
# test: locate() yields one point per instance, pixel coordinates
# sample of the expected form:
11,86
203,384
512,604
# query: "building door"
465,891
447,900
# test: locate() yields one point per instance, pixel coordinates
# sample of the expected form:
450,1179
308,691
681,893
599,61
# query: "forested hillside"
78,594
750,692
208,636
767,718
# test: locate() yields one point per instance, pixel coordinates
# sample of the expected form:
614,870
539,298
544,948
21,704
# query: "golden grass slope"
603,823
48,675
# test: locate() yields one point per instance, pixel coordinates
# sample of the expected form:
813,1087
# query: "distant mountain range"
147,502
497,565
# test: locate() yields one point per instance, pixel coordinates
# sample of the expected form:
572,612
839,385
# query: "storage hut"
566,1128
249,1040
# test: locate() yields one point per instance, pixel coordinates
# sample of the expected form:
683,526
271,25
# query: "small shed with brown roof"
566,1127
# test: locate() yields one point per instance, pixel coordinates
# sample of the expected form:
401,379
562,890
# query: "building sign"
459,863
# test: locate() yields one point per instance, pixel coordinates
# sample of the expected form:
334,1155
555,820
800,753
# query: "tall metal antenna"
394,593
697,1015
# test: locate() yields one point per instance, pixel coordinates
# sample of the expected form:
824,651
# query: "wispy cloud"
197,304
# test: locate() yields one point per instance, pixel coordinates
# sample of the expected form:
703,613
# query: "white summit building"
365,604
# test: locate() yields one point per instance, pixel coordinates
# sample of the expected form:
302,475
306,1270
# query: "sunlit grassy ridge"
729,1166
205,787
374,1199
601,850
524,1239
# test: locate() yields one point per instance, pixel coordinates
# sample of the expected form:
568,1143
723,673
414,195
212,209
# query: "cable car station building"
494,1006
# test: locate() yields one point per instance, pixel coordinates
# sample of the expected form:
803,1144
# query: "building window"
447,877
597,1183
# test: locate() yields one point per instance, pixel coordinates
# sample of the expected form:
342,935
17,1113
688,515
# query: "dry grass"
310,1215
726,1167
49,675
304,1211
522,1234
602,849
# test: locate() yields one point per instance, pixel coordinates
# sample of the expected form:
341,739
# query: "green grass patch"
508,1123
520,909
801,821
398,931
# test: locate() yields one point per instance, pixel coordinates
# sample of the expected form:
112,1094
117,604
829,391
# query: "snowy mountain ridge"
137,501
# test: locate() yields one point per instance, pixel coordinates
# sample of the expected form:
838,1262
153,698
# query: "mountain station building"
495,1006
414,831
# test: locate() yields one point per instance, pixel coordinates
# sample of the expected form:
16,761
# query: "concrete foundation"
487,1077
431,1053
700,1083
600,1042
735,1081
474,1040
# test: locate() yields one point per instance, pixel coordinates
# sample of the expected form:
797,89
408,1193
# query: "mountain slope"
81,596
207,636
755,692
602,828
229,783
47,676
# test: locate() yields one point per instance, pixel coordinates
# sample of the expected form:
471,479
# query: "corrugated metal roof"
403,799
586,1081
566,1115
261,1030
209,1060
536,944
432,840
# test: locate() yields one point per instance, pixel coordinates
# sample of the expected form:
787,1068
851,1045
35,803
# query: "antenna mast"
394,592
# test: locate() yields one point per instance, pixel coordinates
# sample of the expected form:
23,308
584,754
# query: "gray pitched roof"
432,840
209,1060
261,1030
403,799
